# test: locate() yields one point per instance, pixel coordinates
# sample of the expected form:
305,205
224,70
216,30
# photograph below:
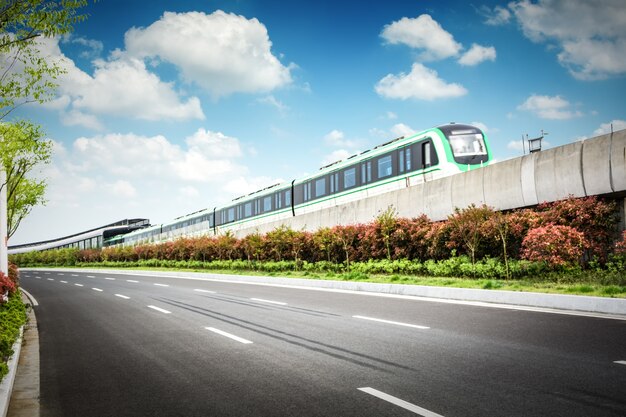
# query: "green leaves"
21,150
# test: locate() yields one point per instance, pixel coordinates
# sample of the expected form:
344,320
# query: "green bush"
12,317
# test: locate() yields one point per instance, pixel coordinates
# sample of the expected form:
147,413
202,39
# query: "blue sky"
168,107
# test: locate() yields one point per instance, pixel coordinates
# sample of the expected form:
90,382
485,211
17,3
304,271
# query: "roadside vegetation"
570,246
12,315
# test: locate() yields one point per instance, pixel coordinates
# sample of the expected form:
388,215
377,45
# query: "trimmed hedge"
568,234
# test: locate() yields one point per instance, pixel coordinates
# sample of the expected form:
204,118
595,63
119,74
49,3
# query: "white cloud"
77,118
122,86
273,102
126,87
222,52
93,48
606,127
123,188
336,155
336,138
243,185
422,33
546,107
189,191
481,126
477,54
209,156
495,17
421,83
591,35
400,129
516,145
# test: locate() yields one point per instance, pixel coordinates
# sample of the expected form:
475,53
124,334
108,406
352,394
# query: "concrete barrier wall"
592,167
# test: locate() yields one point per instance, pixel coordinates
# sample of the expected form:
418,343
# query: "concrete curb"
6,387
570,303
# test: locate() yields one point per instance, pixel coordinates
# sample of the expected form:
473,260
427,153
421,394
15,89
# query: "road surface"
133,345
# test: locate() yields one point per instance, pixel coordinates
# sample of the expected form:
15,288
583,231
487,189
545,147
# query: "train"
427,155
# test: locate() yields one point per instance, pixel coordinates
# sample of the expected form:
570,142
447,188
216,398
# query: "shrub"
7,287
12,317
559,246
597,219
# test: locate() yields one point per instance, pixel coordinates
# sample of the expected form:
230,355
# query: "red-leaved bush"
557,245
620,246
7,287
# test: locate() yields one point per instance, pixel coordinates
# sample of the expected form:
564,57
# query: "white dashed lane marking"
161,285
280,303
205,291
230,336
159,309
131,280
122,296
400,403
79,285
397,323
97,289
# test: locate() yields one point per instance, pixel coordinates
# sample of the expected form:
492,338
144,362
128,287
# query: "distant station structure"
89,239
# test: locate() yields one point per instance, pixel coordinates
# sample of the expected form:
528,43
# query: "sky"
169,107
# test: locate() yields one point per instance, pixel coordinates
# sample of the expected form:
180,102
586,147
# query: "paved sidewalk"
25,397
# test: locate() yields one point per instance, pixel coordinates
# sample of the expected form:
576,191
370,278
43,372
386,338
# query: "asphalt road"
122,345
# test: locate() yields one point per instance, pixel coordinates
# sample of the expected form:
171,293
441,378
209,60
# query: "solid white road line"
400,403
122,296
620,362
79,285
269,301
161,285
230,336
206,291
97,289
30,296
110,279
397,323
64,282
160,309
131,280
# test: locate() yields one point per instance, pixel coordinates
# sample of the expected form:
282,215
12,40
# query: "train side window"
407,153
267,204
334,183
384,167
320,187
401,160
231,215
288,198
426,154
366,172
349,178
307,191
278,201
247,209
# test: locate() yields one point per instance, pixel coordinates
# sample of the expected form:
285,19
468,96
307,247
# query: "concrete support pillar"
4,257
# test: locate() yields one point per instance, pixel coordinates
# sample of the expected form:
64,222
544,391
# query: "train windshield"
468,148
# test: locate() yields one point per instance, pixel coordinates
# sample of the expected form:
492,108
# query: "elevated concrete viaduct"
592,167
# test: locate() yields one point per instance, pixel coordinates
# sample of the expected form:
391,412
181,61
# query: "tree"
467,226
26,77
21,150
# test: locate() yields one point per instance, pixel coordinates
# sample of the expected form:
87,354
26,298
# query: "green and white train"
400,163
